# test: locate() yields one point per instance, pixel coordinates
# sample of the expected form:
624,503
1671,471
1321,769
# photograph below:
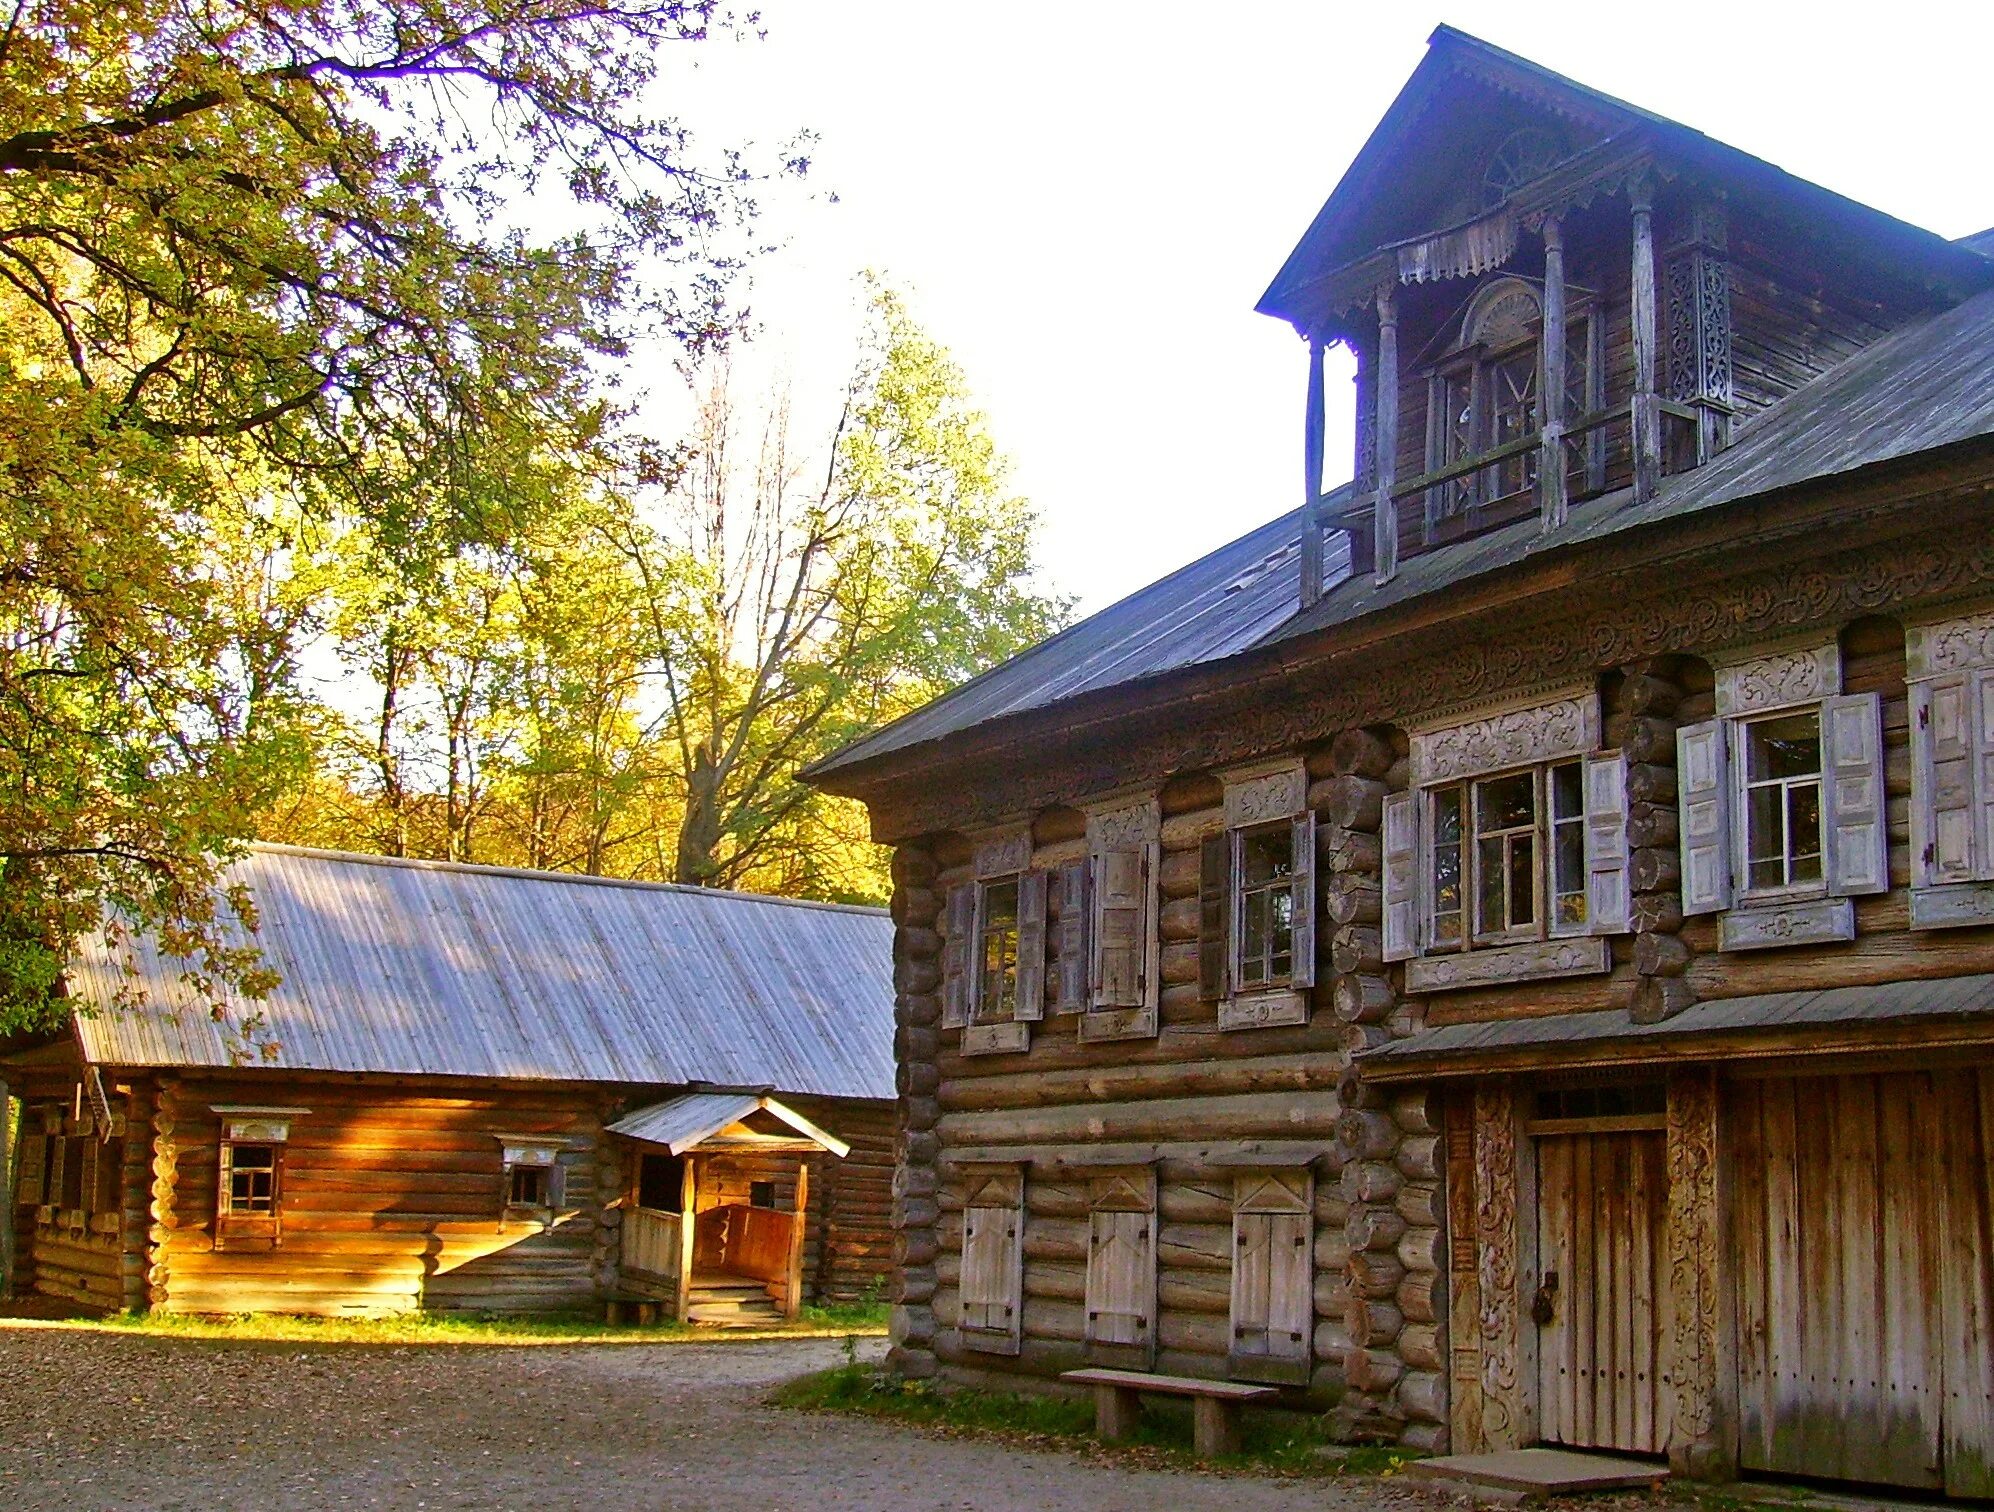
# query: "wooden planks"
1601,1227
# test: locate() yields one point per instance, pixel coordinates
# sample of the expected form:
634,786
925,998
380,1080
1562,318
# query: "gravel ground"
103,1420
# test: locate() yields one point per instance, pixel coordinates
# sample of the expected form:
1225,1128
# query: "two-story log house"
1506,951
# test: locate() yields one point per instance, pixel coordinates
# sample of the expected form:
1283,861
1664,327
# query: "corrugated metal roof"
426,967
1923,387
680,1123
1949,997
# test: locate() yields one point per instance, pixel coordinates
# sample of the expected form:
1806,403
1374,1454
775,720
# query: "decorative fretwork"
1523,155
1698,281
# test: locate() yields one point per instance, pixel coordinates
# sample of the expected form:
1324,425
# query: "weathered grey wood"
1385,517
1551,501
1646,406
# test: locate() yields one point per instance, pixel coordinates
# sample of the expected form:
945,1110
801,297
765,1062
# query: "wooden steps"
731,1302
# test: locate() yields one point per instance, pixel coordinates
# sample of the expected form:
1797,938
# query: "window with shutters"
1257,904
531,1185
1122,983
1273,1277
991,1289
1121,1269
994,948
1951,674
1490,865
1782,813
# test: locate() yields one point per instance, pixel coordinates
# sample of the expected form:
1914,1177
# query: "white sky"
1086,200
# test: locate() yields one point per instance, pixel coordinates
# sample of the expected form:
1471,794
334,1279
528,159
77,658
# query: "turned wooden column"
1647,403
1312,429
1551,499
1385,550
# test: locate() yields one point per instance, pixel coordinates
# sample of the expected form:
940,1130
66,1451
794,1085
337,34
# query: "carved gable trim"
1003,851
1265,791
1954,645
1123,823
1550,731
1760,681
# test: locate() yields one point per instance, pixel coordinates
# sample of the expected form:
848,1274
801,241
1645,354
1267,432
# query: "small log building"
1506,951
471,1088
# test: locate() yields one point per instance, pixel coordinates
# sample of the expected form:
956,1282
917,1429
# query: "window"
1256,900
527,1186
1266,906
997,961
1508,857
1782,808
1782,802
252,1180
761,1194
991,1295
994,955
1951,675
1109,957
1273,1277
531,1179
661,1183
1121,1269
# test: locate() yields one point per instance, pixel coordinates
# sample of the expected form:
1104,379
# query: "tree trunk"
699,831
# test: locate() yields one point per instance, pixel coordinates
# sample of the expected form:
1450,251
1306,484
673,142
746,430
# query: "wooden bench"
1214,1404
645,1312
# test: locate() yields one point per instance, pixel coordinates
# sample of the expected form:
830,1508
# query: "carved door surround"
1692,1348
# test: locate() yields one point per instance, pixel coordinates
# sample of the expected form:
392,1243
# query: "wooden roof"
701,1120
431,968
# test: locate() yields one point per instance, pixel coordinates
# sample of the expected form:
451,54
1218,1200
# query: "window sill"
1265,1010
1007,1038
1956,905
1102,1024
1769,925
1586,955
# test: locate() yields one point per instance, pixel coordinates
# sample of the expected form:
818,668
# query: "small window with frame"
1780,791
531,1184
249,1184
997,950
1507,858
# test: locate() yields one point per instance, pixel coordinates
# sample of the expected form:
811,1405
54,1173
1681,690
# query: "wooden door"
1602,1204
1861,1210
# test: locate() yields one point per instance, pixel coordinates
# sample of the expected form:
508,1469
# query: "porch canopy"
716,1122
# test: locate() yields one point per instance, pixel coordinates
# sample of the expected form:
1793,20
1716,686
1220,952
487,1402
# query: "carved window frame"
1126,824
1001,856
1949,667
1260,797
1537,738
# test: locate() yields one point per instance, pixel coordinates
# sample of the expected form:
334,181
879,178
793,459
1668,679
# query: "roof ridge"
534,874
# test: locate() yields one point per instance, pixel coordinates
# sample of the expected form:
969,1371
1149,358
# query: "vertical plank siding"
1862,1206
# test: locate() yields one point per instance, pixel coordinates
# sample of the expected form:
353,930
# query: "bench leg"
612,1313
1115,1409
1216,1426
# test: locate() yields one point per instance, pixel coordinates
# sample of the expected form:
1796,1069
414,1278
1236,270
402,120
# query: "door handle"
1544,1306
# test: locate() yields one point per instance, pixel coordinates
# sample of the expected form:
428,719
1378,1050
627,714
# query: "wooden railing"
651,1241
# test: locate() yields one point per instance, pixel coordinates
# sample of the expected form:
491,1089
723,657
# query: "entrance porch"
736,1164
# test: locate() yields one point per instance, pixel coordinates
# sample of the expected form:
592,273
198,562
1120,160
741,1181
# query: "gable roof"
1923,388
1336,236
433,968
694,1118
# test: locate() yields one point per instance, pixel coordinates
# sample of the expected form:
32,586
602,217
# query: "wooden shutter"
1121,1270
990,1279
1302,884
33,1170
1121,928
1982,707
1075,969
1273,1278
86,1189
1943,786
1703,779
957,955
1214,914
1606,844
1031,945
1858,859
1401,883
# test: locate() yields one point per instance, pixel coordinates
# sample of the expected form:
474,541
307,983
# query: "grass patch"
847,1317
1271,1443
427,1328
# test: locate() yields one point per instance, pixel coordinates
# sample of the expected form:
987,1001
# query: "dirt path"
101,1421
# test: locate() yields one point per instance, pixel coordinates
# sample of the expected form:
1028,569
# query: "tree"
256,271
806,613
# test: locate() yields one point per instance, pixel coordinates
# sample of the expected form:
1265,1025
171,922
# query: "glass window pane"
1506,803
1803,826
1789,746
1267,854
1567,791
1446,893
1489,874
1522,881
1571,874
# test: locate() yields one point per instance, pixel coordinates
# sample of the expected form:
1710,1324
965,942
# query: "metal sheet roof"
1921,388
426,967
680,1123
1949,997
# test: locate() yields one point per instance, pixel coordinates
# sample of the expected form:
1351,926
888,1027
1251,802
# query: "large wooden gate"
1864,1307
1602,1203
